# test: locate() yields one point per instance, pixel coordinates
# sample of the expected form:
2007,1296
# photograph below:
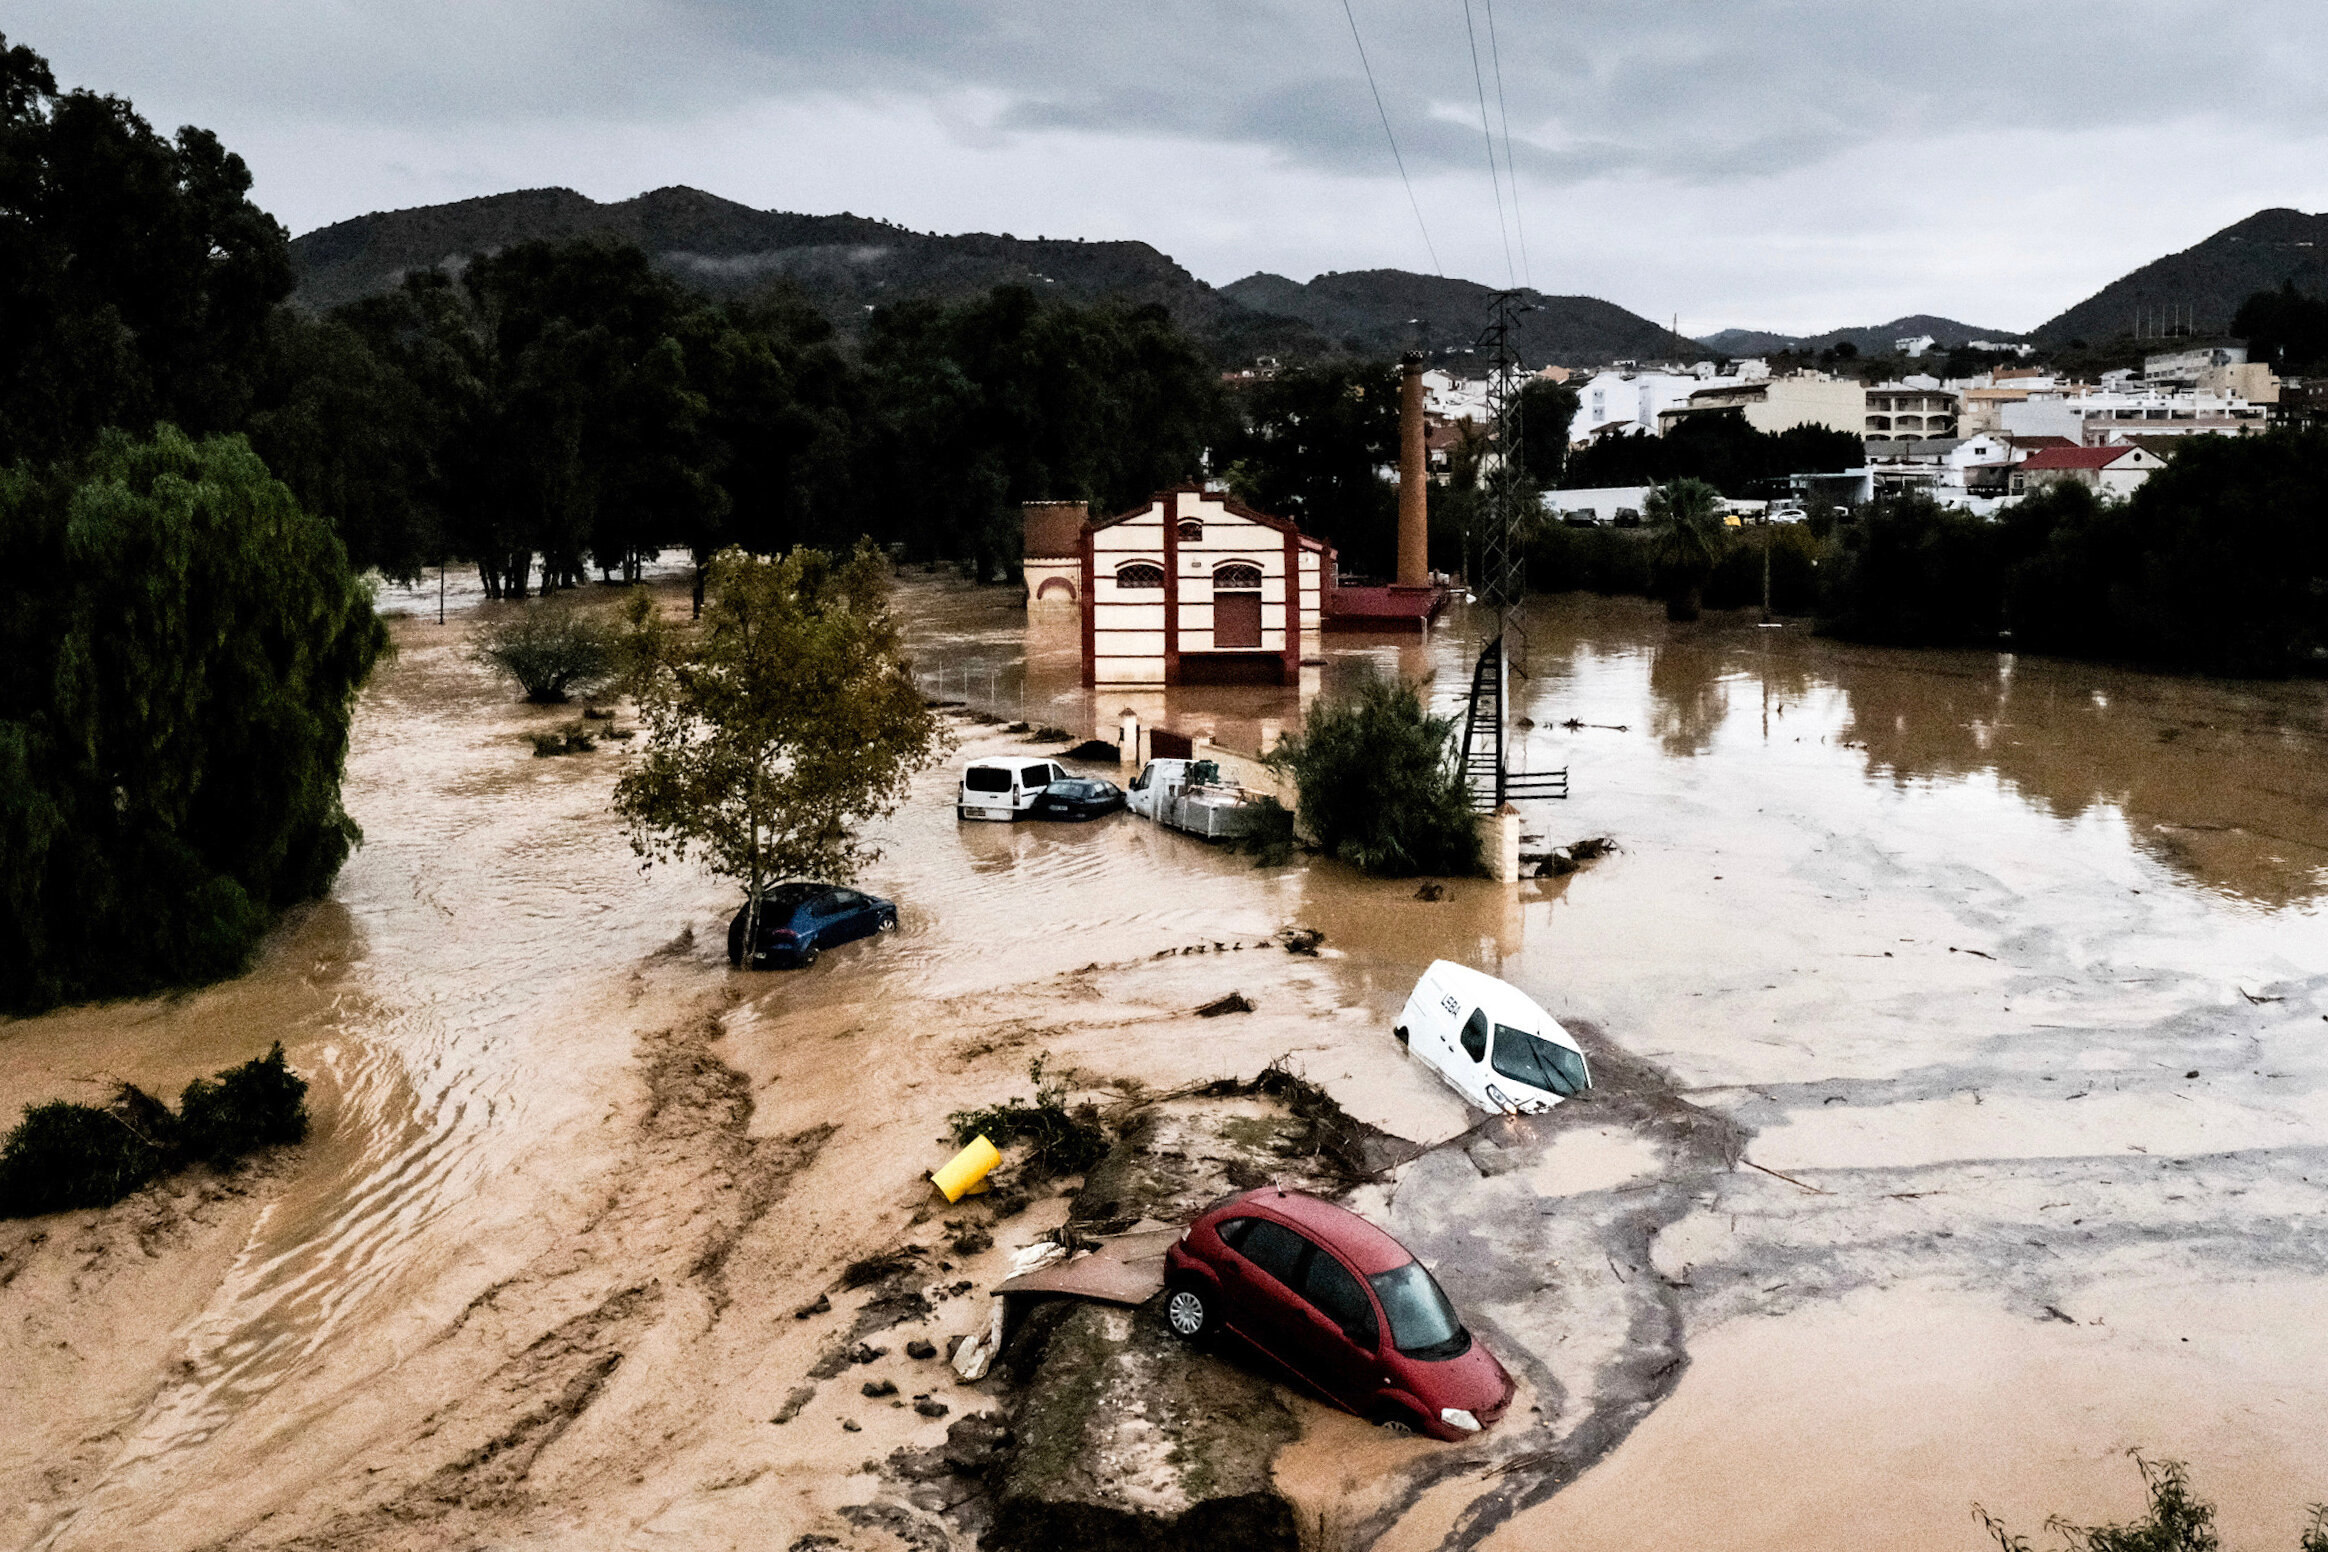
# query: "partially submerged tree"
1379,783
551,648
777,725
1686,539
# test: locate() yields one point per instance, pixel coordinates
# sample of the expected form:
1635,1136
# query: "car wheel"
887,923
1186,1312
1399,1424
808,952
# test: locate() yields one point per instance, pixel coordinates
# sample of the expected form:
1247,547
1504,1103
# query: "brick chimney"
1414,515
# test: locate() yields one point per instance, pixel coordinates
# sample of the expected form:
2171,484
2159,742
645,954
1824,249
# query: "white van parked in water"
1004,789
1491,1043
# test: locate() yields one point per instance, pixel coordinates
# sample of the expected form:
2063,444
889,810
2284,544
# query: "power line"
1495,179
1511,169
1415,204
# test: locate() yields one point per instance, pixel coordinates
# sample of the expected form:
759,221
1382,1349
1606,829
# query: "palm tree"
1686,538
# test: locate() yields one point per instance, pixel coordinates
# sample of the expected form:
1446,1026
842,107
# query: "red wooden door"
1236,620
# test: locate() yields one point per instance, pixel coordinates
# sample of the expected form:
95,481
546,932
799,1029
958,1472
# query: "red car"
1344,1307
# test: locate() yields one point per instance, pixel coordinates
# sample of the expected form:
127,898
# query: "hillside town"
1979,443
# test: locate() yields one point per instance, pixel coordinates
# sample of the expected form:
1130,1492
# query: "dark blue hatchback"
799,921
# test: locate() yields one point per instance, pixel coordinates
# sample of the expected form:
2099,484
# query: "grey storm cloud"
1690,90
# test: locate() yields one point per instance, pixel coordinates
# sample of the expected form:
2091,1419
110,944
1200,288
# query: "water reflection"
2223,781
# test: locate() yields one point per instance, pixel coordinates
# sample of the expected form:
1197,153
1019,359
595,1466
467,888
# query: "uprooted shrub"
62,1155
2177,1521
552,649
1059,1141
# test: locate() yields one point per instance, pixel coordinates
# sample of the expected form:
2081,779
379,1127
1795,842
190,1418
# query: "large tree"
979,406
136,276
777,725
180,650
1314,443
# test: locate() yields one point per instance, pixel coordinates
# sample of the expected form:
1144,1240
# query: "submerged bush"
1379,784
552,649
63,1155
2177,1521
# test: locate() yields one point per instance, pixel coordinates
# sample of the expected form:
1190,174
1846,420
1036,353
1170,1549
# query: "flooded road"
2015,967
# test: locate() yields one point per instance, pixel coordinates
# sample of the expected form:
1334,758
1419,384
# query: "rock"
918,1348
880,1387
975,1443
800,1396
823,1304
866,1352
1234,1002
932,1408
849,1425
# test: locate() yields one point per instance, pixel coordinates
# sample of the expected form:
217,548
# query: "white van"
1491,1043
1003,789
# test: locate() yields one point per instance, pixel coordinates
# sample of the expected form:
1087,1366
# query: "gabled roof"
1224,500
2076,457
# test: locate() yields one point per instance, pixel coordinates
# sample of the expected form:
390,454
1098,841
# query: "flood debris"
1091,751
1564,860
1432,892
1301,940
1058,1141
1234,1002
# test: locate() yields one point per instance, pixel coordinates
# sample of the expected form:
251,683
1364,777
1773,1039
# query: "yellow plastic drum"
967,1170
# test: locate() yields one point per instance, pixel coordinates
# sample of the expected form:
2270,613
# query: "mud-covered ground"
1961,1027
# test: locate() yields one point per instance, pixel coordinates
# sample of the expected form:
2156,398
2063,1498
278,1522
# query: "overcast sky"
1784,164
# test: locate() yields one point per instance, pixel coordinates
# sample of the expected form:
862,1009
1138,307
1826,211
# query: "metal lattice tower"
1502,583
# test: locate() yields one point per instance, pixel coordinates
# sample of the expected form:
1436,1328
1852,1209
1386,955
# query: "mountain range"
846,265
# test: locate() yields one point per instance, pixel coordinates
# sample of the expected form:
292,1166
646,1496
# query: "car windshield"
986,778
1529,1059
1422,1322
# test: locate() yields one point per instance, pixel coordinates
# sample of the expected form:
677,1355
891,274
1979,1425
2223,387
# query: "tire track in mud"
694,1186
1533,1269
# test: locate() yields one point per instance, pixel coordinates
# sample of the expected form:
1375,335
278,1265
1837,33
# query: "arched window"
1140,573
1237,576
1190,530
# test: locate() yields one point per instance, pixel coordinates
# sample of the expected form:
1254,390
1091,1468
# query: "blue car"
799,921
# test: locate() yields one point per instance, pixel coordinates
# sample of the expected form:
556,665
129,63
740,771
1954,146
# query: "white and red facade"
1196,588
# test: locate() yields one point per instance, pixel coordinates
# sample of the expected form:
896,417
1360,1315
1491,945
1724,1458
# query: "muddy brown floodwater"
1962,1023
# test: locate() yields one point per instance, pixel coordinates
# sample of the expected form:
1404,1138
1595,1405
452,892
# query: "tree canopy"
1312,448
777,725
136,276
1721,449
180,649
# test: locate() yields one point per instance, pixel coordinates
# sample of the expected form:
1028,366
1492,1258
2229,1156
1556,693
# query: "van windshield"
1529,1059
1422,1322
986,778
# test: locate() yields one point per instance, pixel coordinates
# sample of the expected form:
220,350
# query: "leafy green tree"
1687,539
979,406
136,276
1721,449
777,726
356,439
1379,785
1314,442
180,649
1547,409
2286,328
